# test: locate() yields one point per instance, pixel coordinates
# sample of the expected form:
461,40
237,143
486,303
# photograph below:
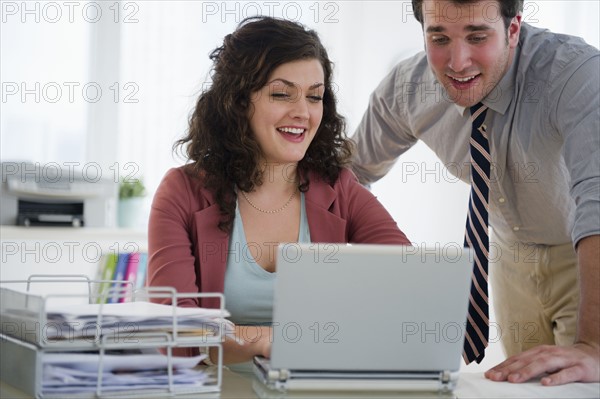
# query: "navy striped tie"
476,237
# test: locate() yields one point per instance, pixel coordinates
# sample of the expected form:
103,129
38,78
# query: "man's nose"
460,57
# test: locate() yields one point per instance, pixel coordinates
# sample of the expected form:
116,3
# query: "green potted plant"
131,201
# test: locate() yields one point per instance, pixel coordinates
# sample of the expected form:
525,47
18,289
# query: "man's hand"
577,363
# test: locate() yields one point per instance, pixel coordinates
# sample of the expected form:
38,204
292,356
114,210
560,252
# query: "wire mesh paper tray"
26,335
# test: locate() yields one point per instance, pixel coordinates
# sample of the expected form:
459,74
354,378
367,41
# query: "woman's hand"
253,341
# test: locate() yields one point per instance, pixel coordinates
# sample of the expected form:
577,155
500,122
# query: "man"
532,157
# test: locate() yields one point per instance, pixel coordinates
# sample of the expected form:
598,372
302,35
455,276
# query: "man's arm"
588,326
579,362
382,135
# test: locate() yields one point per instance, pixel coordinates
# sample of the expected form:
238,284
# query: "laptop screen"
370,307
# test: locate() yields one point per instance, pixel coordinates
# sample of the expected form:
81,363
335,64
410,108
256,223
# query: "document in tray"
131,317
134,311
78,372
119,362
72,381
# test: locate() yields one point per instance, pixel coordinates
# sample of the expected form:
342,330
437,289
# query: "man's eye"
478,39
439,40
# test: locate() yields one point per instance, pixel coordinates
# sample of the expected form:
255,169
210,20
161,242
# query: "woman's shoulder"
181,178
347,175
346,179
184,183
345,186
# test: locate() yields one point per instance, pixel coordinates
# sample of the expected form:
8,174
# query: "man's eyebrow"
435,29
477,28
469,28
288,83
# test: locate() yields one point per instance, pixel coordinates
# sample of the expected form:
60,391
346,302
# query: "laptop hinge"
446,375
278,375
284,375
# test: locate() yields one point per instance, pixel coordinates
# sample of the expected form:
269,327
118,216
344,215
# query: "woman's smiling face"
286,113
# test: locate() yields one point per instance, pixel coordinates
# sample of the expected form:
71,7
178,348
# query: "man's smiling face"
468,46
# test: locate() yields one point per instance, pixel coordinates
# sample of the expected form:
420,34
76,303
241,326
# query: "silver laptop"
367,317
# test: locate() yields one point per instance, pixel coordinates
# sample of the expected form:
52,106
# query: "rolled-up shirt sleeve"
383,133
578,119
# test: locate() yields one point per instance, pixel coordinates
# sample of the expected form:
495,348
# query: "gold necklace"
265,211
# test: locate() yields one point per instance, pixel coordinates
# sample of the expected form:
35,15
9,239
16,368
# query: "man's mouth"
464,82
463,79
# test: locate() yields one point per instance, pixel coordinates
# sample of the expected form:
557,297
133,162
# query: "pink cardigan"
187,250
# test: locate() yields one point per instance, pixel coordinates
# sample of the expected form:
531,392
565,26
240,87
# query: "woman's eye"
280,95
315,99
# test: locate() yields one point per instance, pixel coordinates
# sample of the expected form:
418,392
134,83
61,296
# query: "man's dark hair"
508,8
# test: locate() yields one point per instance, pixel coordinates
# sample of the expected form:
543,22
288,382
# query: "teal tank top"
248,287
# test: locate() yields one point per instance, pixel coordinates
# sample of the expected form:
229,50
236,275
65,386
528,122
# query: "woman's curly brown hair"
220,145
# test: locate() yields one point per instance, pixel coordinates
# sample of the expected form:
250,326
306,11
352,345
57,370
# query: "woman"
266,150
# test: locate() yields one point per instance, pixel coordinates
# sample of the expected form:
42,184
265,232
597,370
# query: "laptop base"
331,380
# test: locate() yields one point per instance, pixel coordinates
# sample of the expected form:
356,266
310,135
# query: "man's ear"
514,29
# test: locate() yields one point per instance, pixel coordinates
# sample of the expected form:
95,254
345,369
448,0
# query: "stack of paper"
115,348
126,319
131,369
78,372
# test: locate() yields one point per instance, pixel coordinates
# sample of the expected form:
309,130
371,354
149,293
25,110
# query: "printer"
34,194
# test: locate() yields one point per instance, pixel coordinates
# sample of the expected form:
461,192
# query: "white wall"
150,59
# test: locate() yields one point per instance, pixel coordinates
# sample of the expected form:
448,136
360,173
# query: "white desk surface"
475,385
470,385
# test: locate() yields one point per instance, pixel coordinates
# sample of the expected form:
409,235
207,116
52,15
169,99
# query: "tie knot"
477,109
478,112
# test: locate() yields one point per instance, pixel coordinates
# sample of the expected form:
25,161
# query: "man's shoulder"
407,78
533,36
542,51
413,69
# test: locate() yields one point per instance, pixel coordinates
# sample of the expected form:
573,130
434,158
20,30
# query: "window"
113,82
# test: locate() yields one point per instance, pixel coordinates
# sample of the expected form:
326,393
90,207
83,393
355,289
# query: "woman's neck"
279,177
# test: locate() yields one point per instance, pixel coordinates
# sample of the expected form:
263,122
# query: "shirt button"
516,228
501,200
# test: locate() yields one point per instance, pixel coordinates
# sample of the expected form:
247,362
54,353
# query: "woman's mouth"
293,134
